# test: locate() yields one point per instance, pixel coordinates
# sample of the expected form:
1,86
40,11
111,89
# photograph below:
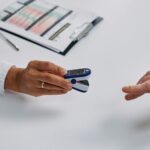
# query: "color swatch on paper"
50,20
29,14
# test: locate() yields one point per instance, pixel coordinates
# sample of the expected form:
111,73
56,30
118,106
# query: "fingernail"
126,88
69,85
128,98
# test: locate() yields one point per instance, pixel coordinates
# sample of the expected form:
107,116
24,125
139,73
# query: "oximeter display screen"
76,72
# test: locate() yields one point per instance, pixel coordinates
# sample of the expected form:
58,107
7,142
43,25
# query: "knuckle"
31,63
53,66
47,64
48,78
30,74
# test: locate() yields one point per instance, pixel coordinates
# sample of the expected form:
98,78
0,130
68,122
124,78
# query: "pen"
9,42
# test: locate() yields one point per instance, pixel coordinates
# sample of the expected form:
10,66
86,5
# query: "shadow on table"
17,107
116,133
126,134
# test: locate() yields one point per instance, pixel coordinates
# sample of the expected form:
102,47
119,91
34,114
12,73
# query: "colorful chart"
49,20
29,14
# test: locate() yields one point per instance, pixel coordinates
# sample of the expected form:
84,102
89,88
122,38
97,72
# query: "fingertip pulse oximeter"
79,79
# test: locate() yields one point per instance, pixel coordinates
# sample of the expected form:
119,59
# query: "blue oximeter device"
79,78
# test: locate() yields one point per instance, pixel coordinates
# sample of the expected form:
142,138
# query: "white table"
118,52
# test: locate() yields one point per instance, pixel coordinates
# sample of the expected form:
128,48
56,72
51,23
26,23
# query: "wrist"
13,79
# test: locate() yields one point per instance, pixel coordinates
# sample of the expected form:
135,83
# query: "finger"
47,66
48,86
146,74
42,92
144,79
141,79
140,88
132,96
54,80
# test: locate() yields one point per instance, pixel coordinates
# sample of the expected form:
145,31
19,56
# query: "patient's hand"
37,79
141,88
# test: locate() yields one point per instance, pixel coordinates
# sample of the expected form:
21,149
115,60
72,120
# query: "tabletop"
118,53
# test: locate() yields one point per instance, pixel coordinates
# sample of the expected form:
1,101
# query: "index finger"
47,66
139,88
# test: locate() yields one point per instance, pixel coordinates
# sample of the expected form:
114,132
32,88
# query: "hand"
29,80
142,87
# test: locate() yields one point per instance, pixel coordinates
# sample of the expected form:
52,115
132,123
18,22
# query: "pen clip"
81,31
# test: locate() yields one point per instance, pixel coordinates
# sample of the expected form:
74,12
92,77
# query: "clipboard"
56,28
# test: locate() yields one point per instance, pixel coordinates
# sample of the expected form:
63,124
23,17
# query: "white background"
118,52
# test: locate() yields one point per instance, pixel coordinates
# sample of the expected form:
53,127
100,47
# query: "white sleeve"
4,68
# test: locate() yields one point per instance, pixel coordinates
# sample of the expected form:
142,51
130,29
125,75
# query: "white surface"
118,52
